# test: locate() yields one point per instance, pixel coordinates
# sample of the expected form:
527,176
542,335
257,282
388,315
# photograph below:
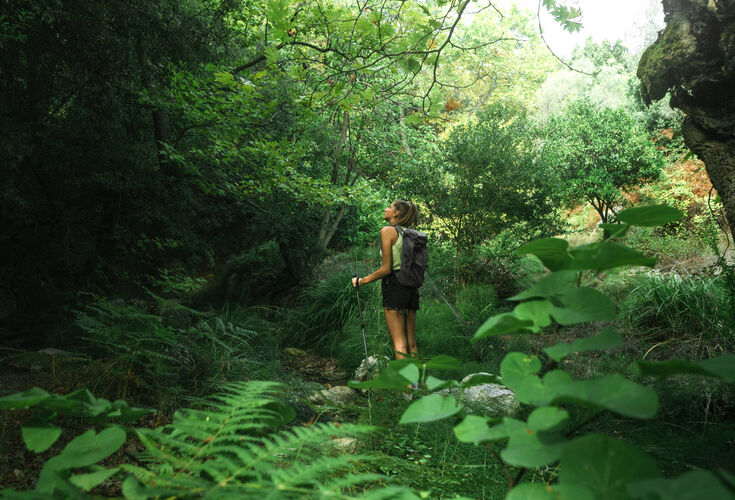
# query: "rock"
493,400
338,394
311,366
344,446
370,367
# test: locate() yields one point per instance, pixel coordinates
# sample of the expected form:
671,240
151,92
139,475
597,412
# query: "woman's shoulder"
389,231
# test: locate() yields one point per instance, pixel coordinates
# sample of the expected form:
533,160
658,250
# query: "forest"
189,188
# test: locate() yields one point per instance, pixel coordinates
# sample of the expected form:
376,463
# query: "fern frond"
228,448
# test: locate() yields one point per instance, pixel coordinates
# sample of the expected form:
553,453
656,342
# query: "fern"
228,449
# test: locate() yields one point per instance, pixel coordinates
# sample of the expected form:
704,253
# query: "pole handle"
357,280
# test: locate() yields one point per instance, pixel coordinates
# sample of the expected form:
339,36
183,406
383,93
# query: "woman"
399,302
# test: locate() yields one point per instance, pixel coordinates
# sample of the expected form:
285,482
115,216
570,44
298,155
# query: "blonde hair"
407,213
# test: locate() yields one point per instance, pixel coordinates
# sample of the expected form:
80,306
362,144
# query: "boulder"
493,400
344,446
311,366
338,394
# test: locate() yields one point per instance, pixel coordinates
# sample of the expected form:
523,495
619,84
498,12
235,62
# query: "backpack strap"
399,229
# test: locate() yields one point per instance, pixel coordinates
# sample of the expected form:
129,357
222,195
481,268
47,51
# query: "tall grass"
672,307
152,358
324,308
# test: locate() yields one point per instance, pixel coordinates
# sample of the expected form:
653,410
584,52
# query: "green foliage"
228,446
598,153
669,306
178,349
489,181
590,465
40,433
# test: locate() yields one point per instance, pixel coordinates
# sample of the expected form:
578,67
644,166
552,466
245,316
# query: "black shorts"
397,296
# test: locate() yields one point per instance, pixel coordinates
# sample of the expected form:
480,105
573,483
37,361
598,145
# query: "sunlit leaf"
443,362
722,367
607,255
615,230
604,465
430,408
39,435
693,485
654,215
553,252
536,311
551,285
503,324
583,305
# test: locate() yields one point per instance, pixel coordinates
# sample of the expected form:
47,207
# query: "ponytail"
407,213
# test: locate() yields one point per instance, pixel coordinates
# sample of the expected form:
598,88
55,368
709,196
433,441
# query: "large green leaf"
536,442
82,451
536,311
606,255
551,285
81,403
410,373
654,215
720,367
518,372
88,481
390,378
615,230
435,384
604,466
606,339
553,252
430,408
443,362
502,324
583,305
21,400
39,435
694,485
611,392
474,429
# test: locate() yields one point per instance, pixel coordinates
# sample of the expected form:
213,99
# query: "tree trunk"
161,130
326,231
693,57
718,155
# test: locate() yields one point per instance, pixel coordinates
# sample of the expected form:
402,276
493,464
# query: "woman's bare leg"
411,332
394,320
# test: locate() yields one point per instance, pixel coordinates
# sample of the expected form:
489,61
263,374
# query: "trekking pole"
364,344
362,323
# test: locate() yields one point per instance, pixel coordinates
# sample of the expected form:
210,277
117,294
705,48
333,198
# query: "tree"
692,58
598,154
489,180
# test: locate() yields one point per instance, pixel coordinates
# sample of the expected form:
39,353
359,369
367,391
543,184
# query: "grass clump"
671,307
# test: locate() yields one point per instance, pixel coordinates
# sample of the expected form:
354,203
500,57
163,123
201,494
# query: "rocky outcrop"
694,58
311,366
493,400
338,394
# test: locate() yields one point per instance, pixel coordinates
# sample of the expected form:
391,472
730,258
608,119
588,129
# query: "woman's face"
390,212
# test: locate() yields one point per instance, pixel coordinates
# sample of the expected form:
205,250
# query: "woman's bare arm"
388,236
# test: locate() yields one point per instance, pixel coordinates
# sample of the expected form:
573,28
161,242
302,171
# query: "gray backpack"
414,257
